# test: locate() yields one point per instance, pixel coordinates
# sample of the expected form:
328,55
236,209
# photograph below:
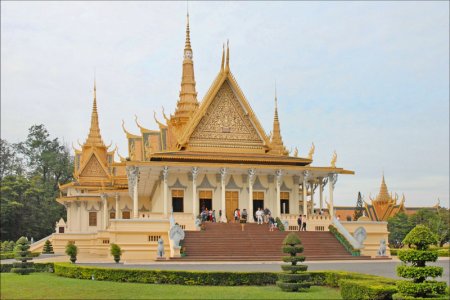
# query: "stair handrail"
342,230
42,240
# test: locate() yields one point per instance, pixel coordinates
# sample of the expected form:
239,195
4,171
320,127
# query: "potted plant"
72,251
116,252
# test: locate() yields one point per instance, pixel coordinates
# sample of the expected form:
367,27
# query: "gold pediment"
93,168
225,120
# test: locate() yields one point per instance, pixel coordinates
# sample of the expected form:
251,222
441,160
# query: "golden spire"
277,141
187,103
94,138
383,195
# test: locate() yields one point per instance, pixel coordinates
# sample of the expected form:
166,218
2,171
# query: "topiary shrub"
23,267
293,281
116,252
72,251
280,225
48,248
414,266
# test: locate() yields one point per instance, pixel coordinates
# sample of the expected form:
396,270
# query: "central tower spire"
94,138
277,141
187,104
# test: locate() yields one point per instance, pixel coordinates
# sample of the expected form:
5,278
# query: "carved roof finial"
227,66
222,65
311,151
334,159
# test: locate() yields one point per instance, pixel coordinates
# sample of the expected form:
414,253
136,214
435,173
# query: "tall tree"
30,185
398,227
10,162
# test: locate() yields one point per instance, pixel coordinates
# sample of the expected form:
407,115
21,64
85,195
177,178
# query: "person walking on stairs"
299,222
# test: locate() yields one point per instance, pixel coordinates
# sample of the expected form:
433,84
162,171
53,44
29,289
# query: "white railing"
355,244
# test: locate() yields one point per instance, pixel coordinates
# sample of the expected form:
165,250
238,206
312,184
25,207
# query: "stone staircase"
227,242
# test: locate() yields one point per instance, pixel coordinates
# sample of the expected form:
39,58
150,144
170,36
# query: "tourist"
236,216
271,222
266,214
304,223
244,216
210,218
239,214
214,216
299,222
259,216
220,216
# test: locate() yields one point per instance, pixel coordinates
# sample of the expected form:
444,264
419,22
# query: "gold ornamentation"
334,159
311,151
225,121
296,152
93,168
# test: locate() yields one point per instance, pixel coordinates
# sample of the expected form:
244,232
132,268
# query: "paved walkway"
384,268
381,268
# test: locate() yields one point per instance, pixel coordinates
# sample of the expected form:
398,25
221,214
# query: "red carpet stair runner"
227,242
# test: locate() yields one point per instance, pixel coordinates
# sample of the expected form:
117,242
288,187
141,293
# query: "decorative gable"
226,120
93,168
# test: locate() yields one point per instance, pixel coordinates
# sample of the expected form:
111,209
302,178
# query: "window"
92,218
125,215
105,241
177,200
112,215
284,202
61,229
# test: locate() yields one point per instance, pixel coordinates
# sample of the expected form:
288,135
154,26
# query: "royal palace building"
212,154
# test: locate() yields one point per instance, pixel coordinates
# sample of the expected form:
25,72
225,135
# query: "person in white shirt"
259,216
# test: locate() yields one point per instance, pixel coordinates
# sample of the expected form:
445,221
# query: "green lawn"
50,286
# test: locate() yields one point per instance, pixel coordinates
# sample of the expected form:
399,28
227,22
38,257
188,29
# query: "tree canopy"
436,219
29,175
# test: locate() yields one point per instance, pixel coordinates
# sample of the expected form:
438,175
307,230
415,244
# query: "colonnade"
308,183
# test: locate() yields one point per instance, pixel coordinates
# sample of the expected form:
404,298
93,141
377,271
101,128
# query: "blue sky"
367,79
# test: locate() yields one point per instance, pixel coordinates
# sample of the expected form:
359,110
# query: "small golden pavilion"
210,154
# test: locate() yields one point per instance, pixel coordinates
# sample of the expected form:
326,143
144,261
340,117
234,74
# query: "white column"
133,178
194,172
332,178
117,197
165,189
251,180
321,193
313,187
69,216
279,175
78,203
295,199
223,175
105,211
305,193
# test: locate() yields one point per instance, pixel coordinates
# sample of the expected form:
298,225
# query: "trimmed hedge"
414,256
418,272
38,267
343,241
166,277
440,252
422,289
366,289
332,278
11,255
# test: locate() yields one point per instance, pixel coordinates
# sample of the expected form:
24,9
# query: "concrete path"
381,268
384,268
